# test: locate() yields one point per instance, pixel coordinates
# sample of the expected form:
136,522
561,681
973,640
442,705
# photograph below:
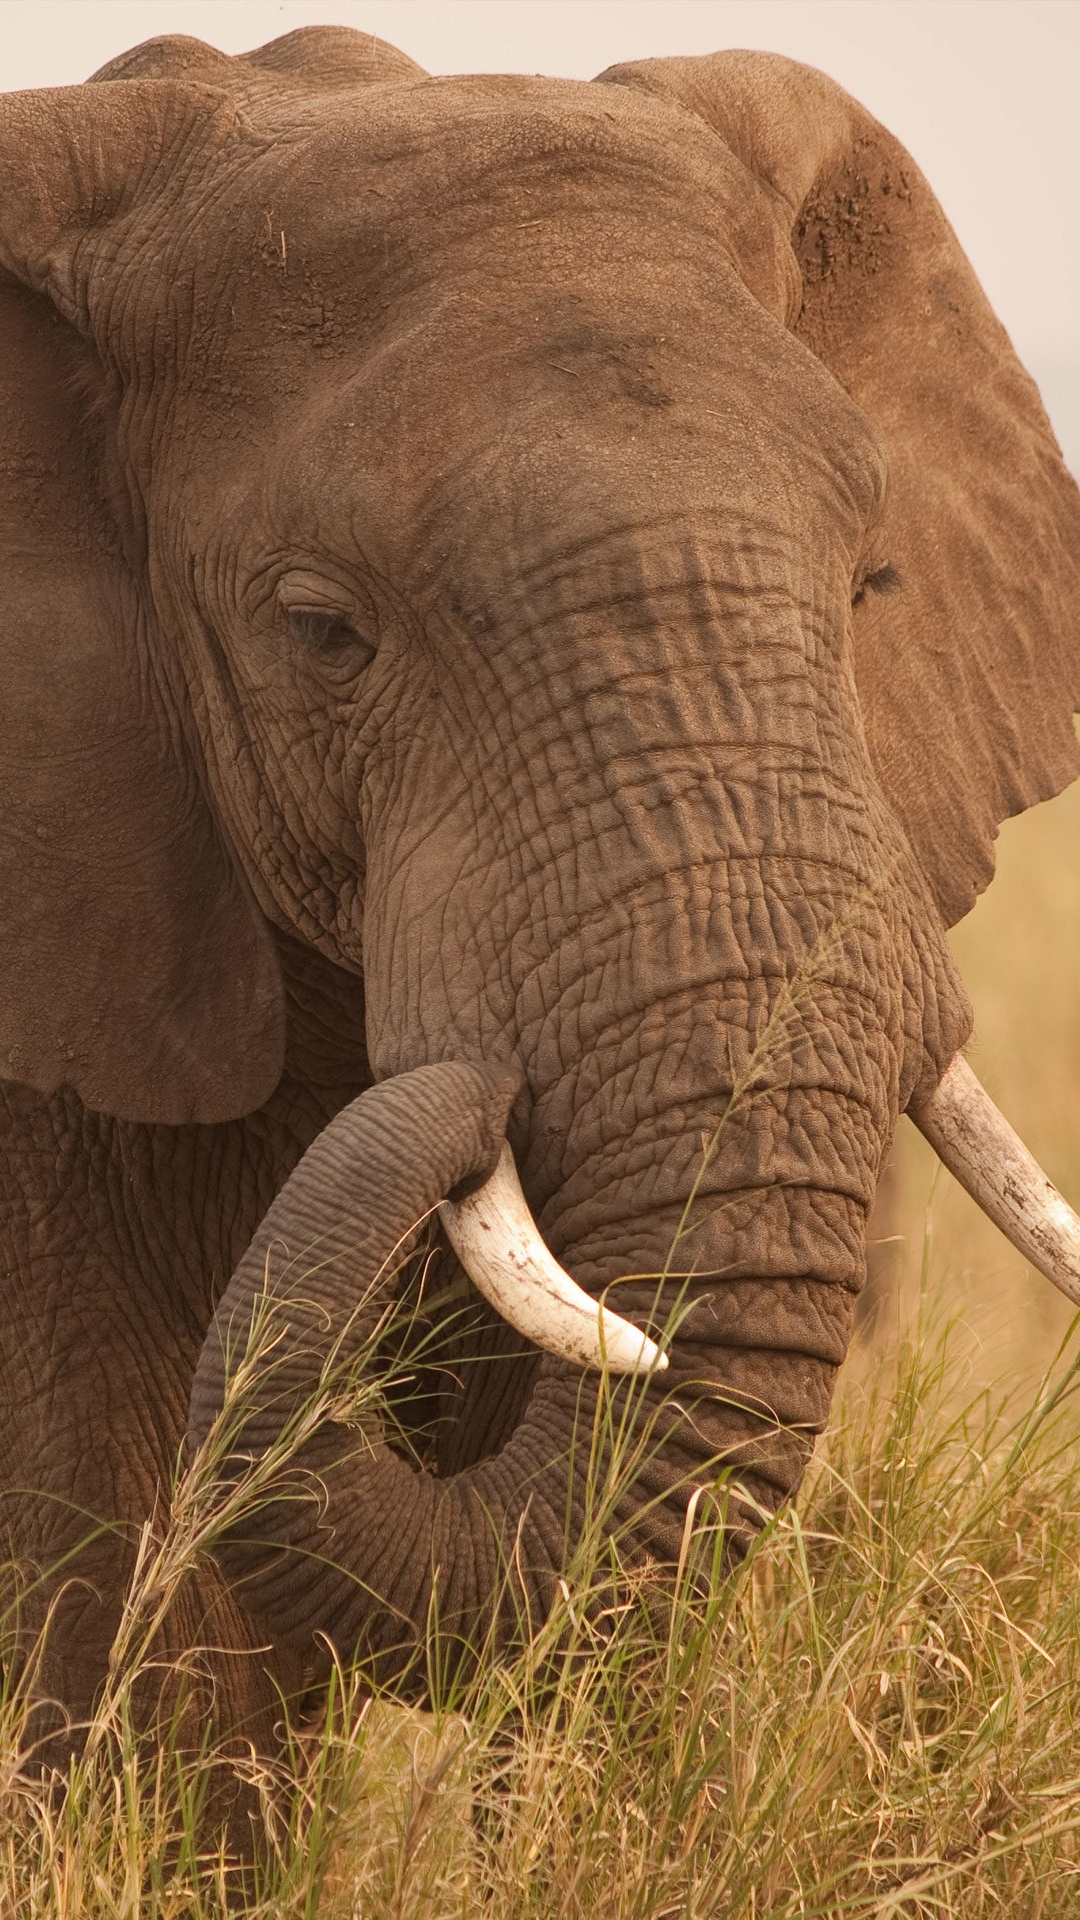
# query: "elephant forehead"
580,438
542,288
376,192
479,141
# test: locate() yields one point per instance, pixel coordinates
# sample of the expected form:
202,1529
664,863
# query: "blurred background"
984,95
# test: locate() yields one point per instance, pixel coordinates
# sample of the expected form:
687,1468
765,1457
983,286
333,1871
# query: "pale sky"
984,93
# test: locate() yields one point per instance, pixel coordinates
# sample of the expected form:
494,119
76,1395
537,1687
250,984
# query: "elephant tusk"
498,1243
991,1162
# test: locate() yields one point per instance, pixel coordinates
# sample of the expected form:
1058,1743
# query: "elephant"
525,603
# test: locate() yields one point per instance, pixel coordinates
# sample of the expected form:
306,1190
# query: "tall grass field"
878,1716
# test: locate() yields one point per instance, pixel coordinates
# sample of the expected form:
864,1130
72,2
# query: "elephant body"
559,578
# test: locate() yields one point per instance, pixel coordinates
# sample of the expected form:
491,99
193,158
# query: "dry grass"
876,1718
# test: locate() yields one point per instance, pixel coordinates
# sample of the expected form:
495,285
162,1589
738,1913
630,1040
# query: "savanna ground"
876,1718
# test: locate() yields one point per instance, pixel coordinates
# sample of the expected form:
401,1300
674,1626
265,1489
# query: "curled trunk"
355,1544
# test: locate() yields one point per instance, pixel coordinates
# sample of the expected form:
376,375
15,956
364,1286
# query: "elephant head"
585,557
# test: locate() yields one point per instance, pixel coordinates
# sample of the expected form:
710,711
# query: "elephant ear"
134,966
969,677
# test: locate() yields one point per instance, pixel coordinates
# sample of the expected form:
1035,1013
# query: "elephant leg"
74,1526
96,1364
204,1678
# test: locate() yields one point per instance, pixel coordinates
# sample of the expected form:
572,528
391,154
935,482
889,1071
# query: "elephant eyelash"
886,579
322,631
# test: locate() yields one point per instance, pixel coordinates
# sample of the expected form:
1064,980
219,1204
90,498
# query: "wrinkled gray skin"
437,521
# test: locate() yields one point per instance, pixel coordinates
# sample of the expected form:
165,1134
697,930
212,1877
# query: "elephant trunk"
353,1544
308,1297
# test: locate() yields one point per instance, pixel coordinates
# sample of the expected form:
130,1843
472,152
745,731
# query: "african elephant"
524,605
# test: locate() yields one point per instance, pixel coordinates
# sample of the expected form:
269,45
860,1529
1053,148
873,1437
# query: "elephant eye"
884,579
323,630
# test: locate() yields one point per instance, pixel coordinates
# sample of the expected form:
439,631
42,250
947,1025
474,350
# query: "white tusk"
498,1243
992,1163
